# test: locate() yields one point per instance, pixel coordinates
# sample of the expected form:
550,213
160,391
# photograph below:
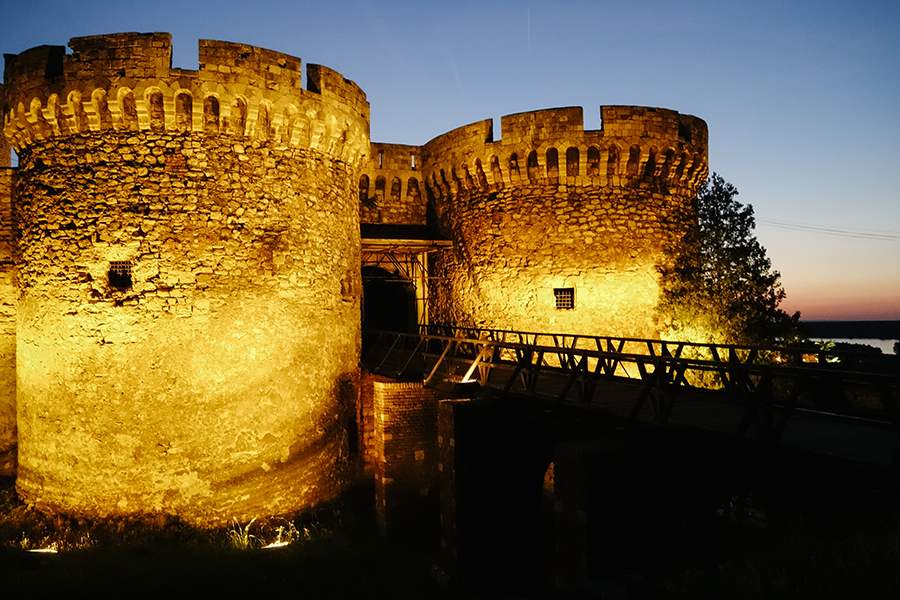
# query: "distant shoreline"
877,330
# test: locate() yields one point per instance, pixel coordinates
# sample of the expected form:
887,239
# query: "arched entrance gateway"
389,300
395,275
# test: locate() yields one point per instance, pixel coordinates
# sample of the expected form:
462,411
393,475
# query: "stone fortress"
186,256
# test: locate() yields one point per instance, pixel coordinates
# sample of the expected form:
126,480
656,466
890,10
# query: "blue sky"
802,98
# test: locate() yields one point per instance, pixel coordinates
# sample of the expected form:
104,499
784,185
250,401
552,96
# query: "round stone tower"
559,229
188,277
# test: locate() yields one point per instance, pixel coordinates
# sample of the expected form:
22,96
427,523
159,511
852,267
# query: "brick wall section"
406,440
365,420
8,436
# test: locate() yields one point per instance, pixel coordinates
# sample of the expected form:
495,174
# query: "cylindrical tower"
188,277
7,311
559,229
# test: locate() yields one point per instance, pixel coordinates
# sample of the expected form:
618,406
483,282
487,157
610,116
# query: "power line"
889,236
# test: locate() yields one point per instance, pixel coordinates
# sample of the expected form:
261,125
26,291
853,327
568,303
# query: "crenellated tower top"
125,82
635,146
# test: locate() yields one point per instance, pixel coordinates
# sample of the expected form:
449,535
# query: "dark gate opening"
389,301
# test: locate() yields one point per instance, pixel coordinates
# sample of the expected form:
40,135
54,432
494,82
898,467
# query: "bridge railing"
804,354
766,393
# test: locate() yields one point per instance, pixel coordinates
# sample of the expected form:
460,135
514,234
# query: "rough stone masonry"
180,252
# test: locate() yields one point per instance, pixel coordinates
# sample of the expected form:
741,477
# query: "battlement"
634,145
240,63
330,83
125,82
135,55
624,121
391,187
541,124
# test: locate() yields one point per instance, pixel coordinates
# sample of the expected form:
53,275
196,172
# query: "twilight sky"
802,98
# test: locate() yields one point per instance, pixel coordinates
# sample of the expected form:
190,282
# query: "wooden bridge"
833,404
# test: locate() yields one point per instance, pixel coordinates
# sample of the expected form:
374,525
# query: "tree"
718,285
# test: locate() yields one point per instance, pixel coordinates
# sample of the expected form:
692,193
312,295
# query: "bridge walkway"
803,400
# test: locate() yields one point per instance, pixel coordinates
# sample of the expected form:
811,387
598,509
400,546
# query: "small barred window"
565,298
120,274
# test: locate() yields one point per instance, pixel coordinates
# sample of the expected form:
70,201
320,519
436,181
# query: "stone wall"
238,90
391,188
187,257
552,207
189,283
7,328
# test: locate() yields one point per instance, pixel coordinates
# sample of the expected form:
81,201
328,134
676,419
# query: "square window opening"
565,298
119,274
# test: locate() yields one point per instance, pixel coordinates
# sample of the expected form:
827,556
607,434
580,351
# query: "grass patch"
333,551
790,544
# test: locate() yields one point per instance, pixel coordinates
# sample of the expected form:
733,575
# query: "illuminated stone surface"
547,206
180,333
7,327
7,313
219,382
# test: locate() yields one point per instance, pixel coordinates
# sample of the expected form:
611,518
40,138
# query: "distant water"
887,346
